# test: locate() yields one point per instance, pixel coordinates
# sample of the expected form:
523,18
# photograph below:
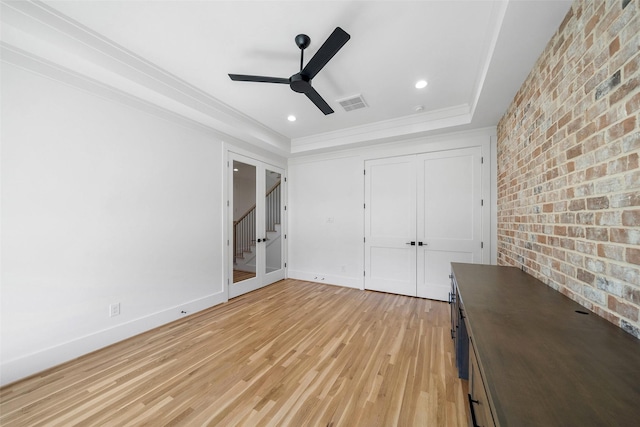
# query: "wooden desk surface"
543,363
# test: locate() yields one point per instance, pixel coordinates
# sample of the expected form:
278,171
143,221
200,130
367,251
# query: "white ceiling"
474,55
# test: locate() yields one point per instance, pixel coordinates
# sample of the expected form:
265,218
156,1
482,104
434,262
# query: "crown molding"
40,29
382,130
15,56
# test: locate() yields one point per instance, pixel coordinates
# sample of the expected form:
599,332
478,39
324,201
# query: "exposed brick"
605,313
607,85
595,265
625,200
632,256
560,230
630,328
614,287
562,122
613,252
631,218
625,89
577,232
623,164
569,164
626,273
606,186
633,104
585,218
600,234
631,293
632,180
594,295
585,132
596,171
585,276
614,46
623,309
608,218
622,128
583,190
594,203
577,205
574,152
625,235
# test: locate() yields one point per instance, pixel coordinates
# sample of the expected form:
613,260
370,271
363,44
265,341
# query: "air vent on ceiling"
351,103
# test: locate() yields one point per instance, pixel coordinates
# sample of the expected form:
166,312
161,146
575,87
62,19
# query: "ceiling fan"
301,81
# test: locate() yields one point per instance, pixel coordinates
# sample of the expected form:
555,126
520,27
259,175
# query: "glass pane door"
244,222
256,234
273,221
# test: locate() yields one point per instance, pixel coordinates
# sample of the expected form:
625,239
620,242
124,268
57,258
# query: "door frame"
262,278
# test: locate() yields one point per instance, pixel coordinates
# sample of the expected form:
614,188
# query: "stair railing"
244,229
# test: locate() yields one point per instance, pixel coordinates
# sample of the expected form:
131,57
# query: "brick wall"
568,163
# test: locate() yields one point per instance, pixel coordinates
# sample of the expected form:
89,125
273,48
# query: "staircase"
244,232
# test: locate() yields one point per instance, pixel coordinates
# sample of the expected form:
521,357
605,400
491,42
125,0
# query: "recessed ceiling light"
421,84
235,169
291,118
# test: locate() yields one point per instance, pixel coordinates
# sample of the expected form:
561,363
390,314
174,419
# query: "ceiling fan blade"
317,99
262,79
331,46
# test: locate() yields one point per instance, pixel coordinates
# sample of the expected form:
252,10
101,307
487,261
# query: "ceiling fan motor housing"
300,83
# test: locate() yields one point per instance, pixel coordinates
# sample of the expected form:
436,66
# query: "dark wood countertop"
543,363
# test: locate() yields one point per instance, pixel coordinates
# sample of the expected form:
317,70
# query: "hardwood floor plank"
292,354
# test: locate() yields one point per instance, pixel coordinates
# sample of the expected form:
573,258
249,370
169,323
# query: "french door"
422,212
256,201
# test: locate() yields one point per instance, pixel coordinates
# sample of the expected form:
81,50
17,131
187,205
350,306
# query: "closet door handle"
411,243
474,423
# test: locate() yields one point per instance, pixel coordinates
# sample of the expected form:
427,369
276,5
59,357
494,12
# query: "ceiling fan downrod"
302,41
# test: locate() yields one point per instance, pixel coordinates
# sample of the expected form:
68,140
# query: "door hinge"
285,236
481,245
481,202
285,265
364,240
227,242
364,273
285,179
365,171
285,207
482,160
227,163
365,206
227,280
227,203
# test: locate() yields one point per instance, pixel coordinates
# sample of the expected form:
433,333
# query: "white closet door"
390,225
449,217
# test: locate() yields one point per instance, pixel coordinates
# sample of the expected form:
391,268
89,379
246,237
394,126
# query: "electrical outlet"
114,309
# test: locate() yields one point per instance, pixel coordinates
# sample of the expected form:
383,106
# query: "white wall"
101,203
325,220
326,198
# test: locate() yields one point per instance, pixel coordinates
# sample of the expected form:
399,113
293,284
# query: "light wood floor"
291,354
239,275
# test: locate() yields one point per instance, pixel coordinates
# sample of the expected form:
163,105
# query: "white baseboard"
345,281
22,367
